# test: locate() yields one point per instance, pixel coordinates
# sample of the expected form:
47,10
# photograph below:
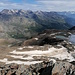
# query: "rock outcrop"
42,40
73,28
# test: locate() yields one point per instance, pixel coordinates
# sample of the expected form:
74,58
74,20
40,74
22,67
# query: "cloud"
6,4
44,5
58,5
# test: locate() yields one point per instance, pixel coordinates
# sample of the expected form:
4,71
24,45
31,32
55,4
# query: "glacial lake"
72,38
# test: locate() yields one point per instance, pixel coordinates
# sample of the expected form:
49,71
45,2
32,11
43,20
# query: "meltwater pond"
61,37
72,38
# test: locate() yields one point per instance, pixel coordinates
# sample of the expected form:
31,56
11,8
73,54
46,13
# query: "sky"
38,5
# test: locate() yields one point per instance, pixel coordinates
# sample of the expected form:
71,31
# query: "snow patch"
52,34
54,61
38,52
21,57
36,38
5,60
30,47
20,48
64,56
60,53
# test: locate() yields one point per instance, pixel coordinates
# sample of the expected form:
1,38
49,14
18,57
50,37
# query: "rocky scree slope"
44,68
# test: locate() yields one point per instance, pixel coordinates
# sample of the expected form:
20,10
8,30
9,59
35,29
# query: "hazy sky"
44,5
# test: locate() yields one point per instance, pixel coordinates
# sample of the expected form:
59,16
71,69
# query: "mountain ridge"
27,23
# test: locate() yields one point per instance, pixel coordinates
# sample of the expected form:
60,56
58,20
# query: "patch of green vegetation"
16,35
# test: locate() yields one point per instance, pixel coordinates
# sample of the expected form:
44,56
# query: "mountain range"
69,17
27,23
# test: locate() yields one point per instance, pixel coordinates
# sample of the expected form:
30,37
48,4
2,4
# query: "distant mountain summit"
69,16
14,12
26,23
9,12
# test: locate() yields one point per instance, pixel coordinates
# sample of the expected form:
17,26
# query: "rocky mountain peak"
9,12
15,11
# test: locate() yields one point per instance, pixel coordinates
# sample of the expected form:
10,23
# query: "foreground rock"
45,68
